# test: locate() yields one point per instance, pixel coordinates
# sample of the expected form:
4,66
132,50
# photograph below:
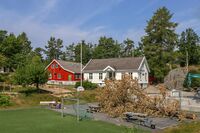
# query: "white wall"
55,82
144,71
118,75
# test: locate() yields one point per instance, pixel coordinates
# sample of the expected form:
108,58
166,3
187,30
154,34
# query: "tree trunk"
37,85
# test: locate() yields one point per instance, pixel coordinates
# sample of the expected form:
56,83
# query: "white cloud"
39,31
191,23
135,34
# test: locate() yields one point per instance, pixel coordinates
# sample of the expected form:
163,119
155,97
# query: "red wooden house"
63,72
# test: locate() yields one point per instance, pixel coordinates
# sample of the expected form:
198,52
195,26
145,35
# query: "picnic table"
94,108
139,118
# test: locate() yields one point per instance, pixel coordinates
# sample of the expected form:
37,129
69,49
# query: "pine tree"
53,49
189,47
159,42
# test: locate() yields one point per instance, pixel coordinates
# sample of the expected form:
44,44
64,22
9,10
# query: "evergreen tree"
128,48
38,52
26,44
159,42
86,52
53,49
189,47
107,48
70,52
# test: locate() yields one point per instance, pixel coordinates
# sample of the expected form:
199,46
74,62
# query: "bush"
4,100
87,85
89,95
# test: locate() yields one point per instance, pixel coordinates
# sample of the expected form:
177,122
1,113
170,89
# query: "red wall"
64,74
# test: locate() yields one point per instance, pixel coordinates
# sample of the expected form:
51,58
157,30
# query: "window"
59,76
69,77
90,76
52,66
140,76
77,76
56,65
100,76
131,75
123,74
145,76
50,76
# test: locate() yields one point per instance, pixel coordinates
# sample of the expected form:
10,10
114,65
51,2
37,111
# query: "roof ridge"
119,58
69,61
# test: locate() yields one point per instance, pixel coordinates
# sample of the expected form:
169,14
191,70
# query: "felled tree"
126,95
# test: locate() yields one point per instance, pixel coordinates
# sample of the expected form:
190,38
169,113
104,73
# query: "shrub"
4,100
87,85
89,95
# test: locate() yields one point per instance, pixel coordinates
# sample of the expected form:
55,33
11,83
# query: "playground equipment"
73,107
190,76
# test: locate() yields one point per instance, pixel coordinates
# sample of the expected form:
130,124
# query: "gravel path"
161,123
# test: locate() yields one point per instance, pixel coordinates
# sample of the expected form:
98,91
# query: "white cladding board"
118,75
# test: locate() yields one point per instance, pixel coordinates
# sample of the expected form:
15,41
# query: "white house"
96,70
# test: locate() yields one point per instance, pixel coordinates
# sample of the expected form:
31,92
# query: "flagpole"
81,66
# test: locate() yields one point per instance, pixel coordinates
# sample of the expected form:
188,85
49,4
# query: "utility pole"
81,84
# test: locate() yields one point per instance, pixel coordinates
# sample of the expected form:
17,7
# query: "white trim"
120,70
60,66
87,64
145,61
109,67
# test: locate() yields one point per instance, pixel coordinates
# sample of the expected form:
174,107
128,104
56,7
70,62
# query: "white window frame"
50,76
100,75
90,75
130,74
52,66
69,77
77,76
145,76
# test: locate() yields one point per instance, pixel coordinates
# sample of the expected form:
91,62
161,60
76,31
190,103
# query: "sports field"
37,120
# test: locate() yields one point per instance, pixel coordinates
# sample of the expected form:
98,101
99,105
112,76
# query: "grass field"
193,127
37,120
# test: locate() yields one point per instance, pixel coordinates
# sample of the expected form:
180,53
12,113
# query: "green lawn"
37,120
193,127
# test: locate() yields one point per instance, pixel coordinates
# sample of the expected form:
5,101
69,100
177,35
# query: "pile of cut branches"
126,95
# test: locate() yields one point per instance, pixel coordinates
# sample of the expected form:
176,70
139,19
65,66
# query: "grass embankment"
29,97
193,127
45,121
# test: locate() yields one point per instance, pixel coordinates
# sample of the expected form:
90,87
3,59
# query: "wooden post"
62,107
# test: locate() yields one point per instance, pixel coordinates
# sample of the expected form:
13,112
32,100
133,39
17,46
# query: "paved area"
161,123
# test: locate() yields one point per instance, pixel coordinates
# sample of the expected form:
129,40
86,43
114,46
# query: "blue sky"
74,20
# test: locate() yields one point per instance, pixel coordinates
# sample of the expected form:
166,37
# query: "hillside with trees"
163,47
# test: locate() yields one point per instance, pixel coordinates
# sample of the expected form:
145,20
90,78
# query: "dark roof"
72,66
116,63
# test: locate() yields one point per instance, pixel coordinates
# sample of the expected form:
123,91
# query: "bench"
93,108
47,102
